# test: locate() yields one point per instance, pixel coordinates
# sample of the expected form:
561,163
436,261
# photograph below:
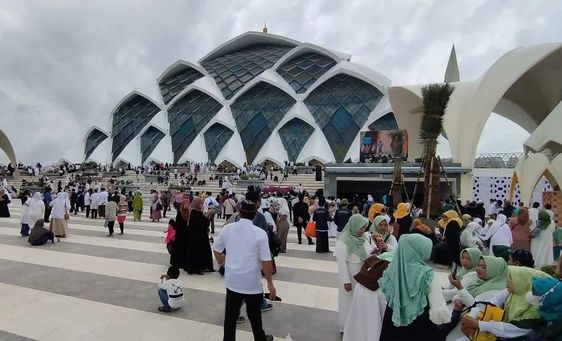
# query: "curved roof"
248,39
6,146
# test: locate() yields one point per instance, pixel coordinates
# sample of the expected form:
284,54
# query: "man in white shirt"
534,214
247,256
102,200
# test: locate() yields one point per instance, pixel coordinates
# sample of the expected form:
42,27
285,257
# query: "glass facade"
187,117
149,140
177,80
386,122
216,138
302,71
93,140
233,70
128,121
341,106
294,135
257,112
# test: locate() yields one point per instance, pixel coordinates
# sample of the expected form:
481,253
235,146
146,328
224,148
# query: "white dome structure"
258,97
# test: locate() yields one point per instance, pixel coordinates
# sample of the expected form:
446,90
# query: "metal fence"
497,160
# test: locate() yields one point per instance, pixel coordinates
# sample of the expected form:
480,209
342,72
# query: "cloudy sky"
64,65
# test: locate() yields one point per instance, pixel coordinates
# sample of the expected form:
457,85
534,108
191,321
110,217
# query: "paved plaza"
91,287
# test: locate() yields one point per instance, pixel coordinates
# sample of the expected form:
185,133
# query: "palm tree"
435,99
397,145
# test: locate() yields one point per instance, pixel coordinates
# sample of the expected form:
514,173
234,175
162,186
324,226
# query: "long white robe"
541,247
365,315
348,266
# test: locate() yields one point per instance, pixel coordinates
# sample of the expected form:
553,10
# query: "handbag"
310,230
490,312
370,273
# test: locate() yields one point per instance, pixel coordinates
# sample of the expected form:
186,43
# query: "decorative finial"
264,30
452,73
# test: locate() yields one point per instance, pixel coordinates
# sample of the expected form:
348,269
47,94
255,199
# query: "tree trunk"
431,180
397,181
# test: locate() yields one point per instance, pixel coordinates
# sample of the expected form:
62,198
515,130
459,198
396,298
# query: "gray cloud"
65,64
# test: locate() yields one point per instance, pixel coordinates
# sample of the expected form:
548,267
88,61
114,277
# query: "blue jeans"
163,294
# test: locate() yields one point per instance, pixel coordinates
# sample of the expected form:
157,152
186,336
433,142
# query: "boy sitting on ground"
170,291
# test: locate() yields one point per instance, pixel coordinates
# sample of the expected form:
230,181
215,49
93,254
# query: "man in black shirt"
342,215
301,218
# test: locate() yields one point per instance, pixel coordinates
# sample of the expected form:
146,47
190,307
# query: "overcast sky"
64,65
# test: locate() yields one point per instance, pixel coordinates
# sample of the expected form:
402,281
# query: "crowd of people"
388,257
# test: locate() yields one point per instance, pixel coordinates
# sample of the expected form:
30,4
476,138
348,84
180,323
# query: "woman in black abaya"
178,257
199,255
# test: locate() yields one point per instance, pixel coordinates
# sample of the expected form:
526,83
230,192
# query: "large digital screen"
376,146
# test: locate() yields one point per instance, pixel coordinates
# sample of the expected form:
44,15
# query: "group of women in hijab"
361,307
191,249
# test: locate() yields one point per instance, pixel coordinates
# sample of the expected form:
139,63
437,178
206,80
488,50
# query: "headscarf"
379,219
550,291
451,215
473,226
500,220
496,276
516,306
402,210
418,224
376,208
122,200
197,203
544,220
406,281
184,212
350,236
474,254
36,205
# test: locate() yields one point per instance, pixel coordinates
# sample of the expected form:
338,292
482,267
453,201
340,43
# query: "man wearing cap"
248,255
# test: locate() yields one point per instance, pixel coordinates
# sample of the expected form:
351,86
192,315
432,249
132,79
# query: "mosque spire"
264,30
452,73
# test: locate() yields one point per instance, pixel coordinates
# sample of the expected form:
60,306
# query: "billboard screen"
376,146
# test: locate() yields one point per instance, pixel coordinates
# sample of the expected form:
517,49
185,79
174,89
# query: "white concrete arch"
132,94
246,40
85,139
196,86
268,76
146,127
368,75
547,132
178,64
6,146
305,48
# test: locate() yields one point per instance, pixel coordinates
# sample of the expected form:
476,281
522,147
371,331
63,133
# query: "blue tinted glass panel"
302,71
257,112
187,118
294,135
233,70
177,80
341,106
95,137
386,122
128,121
216,137
149,140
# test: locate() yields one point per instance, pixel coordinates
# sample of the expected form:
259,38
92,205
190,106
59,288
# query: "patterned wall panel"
93,140
302,71
149,140
187,117
216,138
341,106
294,135
177,80
386,122
497,187
128,121
233,70
257,112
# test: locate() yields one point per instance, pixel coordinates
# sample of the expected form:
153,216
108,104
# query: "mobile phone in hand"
454,270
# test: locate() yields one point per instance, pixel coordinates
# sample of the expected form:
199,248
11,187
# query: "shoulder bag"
371,272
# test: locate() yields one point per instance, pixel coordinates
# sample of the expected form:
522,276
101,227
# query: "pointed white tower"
452,73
